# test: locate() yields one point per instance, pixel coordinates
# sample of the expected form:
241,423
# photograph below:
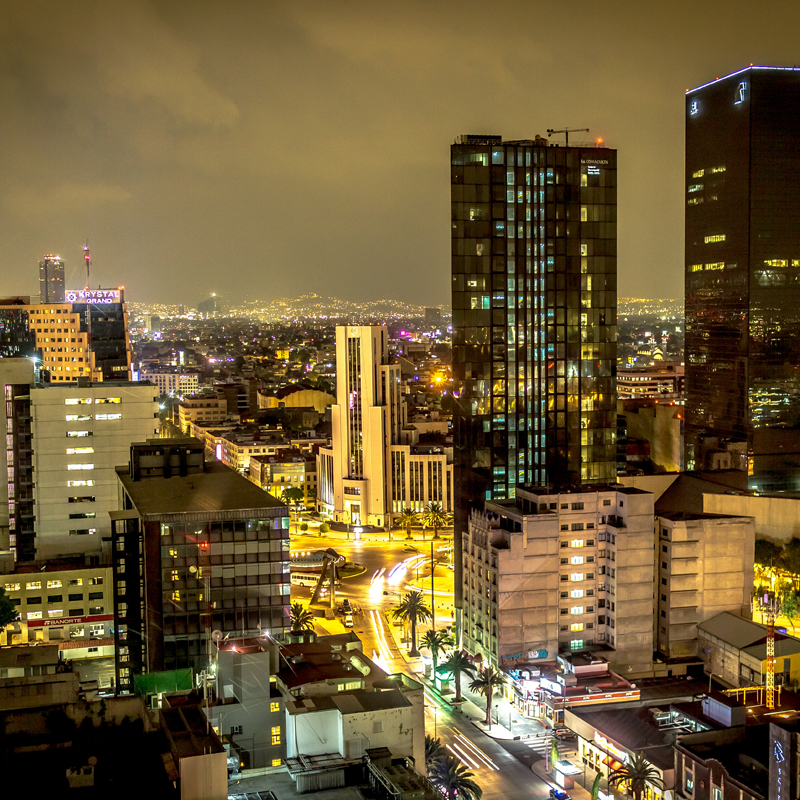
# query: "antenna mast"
567,132
87,260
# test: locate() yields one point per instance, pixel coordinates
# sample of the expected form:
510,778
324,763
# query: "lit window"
717,237
80,466
80,483
696,187
576,627
78,417
73,434
34,615
777,262
576,610
276,762
12,587
54,584
584,214
576,593
55,612
576,560
274,706
576,543
33,585
714,265
108,400
576,644
108,416
696,268
71,451
276,734
584,180
74,401
717,169
584,249
698,174
576,576
174,575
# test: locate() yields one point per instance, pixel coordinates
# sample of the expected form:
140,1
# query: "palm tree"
406,520
301,618
638,772
292,496
435,517
457,662
487,680
453,779
412,609
437,642
434,750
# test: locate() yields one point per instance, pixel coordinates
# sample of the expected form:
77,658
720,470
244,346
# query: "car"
409,549
563,733
348,620
347,608
559,794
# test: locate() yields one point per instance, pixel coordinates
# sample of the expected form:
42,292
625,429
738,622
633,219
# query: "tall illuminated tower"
534,262
51,279
743,276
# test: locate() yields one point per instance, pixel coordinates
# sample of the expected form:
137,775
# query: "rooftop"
215,491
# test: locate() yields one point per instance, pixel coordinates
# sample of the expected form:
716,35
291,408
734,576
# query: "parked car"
563,733
559,794
347,608
348,620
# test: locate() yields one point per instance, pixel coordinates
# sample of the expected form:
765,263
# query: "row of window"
75,401
57,598
55,613
54,584
88,417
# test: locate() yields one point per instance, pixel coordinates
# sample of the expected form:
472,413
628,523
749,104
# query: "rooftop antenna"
86,258
567,132
89,359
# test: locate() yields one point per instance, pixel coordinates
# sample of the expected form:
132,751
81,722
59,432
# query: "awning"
608,761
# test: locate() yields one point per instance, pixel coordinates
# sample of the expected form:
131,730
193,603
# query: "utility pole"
433,601
567,132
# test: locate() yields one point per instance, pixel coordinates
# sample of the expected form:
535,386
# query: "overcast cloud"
265,149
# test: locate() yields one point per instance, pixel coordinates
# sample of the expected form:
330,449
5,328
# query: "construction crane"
567,132
770,608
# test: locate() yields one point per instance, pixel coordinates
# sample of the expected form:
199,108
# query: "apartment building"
170,382
565,572
704,568
287,469
201,408
80,435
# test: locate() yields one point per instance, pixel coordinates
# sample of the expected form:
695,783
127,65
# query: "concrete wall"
776,518
656,484
393,728
660,425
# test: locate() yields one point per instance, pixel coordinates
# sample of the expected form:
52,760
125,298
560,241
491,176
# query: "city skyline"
273,149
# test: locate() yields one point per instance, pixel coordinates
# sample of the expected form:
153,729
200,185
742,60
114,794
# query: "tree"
434,750
301,618
767,553
485,683
457,662
596,786
790,606
435,517
406,519
412,609
324,528
637,773
790,560
437,642
8,611
453,779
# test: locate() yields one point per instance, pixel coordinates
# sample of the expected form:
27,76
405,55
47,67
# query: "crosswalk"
538,744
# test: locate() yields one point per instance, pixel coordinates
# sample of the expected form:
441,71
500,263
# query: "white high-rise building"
370,472
80,435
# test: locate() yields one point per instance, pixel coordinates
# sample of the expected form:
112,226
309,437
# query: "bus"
298,579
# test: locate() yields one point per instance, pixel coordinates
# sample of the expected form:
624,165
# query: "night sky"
268,149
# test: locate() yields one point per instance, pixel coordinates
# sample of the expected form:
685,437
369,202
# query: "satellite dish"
216,636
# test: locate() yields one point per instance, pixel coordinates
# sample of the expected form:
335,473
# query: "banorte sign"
92,296
46,623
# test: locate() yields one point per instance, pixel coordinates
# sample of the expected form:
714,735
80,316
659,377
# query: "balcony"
616,522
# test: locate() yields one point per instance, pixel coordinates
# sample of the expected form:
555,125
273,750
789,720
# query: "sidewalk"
577,792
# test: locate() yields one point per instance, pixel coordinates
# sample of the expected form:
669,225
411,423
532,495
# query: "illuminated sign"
46,623
613,750
741,91
694,108
592,170
780,768
602,161
92,296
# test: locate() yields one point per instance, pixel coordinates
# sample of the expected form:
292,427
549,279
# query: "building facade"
51,280
201,408
366,475
534,317
743,274
549,573
80,435
170,382
216,558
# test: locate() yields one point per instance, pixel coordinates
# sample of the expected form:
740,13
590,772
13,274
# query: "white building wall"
60,417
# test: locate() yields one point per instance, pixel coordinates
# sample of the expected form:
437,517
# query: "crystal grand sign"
93,296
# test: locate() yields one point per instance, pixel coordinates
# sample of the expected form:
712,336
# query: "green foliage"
456,663
301,618
437,642
791,556
435,517
292,496
304,526
434,749
412,609
638,772
8,611
596,786
406,520
487,681
767,553
453,779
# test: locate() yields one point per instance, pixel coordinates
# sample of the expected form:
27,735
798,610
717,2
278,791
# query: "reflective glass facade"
743,275
534,316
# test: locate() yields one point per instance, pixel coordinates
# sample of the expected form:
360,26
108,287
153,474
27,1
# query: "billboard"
93,296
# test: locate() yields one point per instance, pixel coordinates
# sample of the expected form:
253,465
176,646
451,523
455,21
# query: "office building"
549,572
534,317
743,275
85,336
367,475
171,381
80,434
16,463
196,548
51,280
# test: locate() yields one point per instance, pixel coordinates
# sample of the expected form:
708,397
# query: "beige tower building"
367,475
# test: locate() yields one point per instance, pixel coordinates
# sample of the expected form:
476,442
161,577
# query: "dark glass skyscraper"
51,280
743,276
534,256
